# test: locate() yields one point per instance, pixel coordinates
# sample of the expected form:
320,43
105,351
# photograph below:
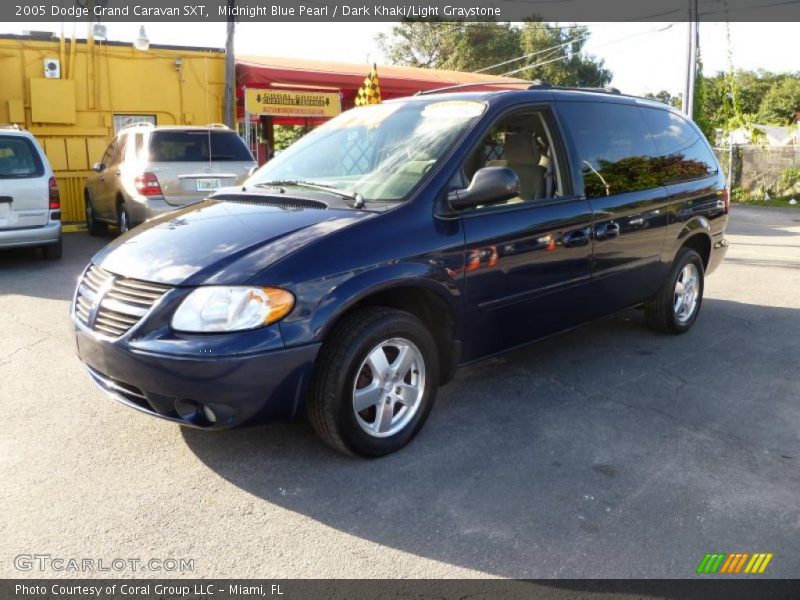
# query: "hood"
216,242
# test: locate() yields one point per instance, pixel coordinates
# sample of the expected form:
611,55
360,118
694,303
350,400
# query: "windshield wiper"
358,200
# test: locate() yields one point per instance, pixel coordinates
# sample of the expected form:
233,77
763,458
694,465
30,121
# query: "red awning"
395,82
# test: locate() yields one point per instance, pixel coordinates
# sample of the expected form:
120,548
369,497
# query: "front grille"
111,304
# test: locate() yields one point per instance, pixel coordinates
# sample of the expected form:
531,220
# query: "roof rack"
469,85
13,126
597,90
535,84
217,126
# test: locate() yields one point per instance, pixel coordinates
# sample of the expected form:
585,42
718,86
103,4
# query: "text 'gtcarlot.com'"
60,564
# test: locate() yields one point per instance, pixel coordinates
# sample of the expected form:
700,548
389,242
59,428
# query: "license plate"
208,185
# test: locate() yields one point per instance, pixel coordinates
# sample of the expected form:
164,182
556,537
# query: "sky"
644,57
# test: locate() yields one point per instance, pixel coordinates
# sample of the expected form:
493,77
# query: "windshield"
380,151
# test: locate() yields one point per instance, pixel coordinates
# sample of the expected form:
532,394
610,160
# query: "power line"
531,55
571,54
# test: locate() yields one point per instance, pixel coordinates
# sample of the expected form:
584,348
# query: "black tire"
124,219
660,311
330,403
94,226
53,251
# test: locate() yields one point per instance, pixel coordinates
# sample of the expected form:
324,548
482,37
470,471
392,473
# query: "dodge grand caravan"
350,276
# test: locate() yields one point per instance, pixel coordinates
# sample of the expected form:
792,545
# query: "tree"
781,103
560,58
450,45
665,97
700,116
475,46
734,99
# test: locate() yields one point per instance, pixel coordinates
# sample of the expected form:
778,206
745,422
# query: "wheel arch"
428,300
696,234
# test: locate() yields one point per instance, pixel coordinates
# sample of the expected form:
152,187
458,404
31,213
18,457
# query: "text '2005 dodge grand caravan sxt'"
352,274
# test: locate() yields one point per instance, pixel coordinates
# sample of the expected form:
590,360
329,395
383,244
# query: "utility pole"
693,27
230,69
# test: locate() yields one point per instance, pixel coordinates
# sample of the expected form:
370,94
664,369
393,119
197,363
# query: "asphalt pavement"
610,451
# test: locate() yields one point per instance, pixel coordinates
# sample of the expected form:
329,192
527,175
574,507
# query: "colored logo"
734,563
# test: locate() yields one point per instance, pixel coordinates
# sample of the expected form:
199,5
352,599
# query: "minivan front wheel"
375,382
675,307
94,226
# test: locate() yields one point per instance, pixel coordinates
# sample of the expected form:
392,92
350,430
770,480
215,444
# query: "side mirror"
99,167
489,185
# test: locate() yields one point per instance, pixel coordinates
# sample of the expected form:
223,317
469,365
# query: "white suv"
30,207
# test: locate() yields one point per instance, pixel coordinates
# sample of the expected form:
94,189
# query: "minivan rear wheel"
375,382
675,307
124,222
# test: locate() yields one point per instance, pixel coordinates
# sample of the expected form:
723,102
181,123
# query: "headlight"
215,308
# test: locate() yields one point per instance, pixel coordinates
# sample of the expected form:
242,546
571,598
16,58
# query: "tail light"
726,198
147,184
55,197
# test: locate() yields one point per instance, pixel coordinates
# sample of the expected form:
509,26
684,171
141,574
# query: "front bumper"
210,393
31,236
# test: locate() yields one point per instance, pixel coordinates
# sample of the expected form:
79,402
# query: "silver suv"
30,207
148,170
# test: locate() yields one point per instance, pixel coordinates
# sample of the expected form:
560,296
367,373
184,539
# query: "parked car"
351,275
30,206
147,171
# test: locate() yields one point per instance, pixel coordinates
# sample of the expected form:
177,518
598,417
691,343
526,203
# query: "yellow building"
74,95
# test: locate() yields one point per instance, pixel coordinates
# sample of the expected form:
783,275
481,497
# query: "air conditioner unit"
100,32
52,68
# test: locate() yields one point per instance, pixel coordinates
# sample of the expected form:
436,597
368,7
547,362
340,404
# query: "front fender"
320,309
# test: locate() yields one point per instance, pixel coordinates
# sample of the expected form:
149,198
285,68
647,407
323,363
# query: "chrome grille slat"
123,301
137,298
143,286
117,318
114,331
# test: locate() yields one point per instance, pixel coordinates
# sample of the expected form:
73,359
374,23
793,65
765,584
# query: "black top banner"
396,10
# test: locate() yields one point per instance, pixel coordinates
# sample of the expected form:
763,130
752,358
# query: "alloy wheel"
687,291
389,387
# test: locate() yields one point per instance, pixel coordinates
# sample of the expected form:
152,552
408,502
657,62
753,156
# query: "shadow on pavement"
25,272
609,441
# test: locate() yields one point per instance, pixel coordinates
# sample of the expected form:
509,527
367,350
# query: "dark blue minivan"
350,276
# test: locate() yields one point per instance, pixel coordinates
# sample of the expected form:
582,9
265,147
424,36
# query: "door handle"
577,238
607,231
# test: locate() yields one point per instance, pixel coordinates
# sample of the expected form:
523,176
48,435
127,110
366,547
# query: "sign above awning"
291,103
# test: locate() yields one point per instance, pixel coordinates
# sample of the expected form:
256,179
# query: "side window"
684,153
138,146
119,153
616,150
109,154
523,143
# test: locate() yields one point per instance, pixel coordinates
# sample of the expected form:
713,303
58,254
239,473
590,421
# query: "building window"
121,121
